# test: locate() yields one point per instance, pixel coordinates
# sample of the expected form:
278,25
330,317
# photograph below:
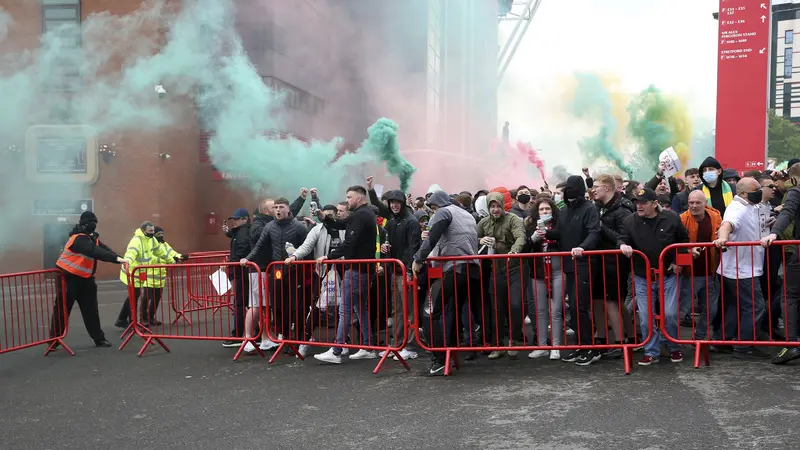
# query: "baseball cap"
240,213
646,195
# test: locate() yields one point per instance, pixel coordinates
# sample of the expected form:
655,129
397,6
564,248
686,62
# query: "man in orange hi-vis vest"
78,263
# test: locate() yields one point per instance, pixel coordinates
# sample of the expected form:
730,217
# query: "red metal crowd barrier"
179,285
34,310
489,297
307,304
741,307
201,295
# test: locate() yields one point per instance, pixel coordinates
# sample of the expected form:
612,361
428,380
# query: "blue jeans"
652,347
355,294
707,302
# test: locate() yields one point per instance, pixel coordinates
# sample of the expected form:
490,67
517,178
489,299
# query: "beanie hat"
88,216
506,197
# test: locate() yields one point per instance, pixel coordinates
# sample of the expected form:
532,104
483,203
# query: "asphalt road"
196,397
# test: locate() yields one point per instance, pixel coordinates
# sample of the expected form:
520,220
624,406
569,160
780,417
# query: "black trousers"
241,300
125,311
580,298
84,291
288,303
443,296
152,298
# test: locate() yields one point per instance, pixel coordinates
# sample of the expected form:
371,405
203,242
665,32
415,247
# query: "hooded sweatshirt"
507,229
578,222
719,196
90,246
402,229
453,231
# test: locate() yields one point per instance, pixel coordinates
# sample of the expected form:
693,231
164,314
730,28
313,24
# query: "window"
789,37
787,62
297,98
61,155
787,100
61,19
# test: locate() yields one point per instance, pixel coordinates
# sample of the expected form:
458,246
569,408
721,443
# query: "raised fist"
303,192
313,192
370,182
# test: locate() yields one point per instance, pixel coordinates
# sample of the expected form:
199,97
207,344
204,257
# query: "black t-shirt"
702,263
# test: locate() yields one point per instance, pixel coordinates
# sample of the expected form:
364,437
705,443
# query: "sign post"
743,84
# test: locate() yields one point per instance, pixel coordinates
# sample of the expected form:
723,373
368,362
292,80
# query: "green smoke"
382,141
592,102
658,122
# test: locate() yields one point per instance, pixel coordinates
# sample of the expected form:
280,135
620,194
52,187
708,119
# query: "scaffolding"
519,12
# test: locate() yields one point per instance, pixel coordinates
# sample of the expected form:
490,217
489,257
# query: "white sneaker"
267,345
389,322
345,351
383,353
407,354
363,354
570,331
538,354
303,350
328,357
249,347
555,355
527,320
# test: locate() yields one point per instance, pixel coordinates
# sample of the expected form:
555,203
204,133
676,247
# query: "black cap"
88,216
664,200
792,162
645,195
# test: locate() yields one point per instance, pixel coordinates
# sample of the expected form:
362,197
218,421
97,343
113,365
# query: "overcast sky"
669,43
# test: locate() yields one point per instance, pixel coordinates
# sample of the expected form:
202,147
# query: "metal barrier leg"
54,346
131,332
148,342
252,341
279,352
626,356
397,356
698,350
447,355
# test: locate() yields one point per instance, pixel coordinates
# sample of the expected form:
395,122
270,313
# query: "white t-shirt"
742,261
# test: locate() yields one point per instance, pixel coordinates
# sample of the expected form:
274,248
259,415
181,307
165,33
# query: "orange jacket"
691,226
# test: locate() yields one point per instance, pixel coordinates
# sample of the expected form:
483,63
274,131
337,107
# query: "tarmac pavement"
196,397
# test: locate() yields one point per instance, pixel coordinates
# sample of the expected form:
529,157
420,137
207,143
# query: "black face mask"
755,197
523,198
160,239
89,227
570,193
149,234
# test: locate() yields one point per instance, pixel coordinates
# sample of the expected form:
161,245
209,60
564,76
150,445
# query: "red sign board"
743,83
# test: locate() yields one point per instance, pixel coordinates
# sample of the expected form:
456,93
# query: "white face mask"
546,218
557,198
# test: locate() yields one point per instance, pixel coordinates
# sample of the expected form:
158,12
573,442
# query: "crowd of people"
708,204
565,299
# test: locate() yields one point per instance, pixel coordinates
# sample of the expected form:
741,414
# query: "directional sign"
743,83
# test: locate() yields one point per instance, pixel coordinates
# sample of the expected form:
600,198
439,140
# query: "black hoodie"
717,201
240,245
578,222
92,247
403,230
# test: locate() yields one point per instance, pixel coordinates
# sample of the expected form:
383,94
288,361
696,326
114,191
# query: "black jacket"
299,202
611,216
652,241
680,203
91,247
790,214
578,224
240,246
261,258
656,180
536,265
274,237
717,200
360,236
403,231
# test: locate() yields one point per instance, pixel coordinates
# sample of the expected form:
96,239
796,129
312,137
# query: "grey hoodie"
452,230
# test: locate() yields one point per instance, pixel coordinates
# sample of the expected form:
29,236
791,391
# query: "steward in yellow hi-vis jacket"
143,249
157,278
